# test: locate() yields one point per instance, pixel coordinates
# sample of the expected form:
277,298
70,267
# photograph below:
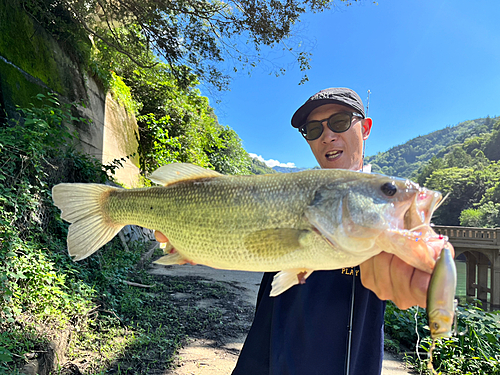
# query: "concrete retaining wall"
32,62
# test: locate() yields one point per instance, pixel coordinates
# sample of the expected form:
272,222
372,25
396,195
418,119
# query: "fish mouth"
420,212
440,322
332,155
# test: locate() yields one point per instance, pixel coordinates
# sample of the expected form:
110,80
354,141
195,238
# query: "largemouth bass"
293,223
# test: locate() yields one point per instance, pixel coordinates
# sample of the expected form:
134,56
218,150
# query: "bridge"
481,248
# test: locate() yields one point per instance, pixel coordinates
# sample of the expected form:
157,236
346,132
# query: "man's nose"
328,134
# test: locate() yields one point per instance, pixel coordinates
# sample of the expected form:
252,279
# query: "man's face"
339,150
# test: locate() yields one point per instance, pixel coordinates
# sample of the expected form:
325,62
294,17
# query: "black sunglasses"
338,123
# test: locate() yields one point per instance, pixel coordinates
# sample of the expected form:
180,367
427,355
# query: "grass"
125,329
475,351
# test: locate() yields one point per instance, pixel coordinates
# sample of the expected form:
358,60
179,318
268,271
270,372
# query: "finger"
160,237
366,272
402,275
376,277
419,285
383,279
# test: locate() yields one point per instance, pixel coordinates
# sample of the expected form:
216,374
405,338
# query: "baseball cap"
334,95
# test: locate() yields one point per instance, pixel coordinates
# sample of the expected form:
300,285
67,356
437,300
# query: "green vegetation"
462,161
259,167
470,173
32,288
126,330
475,351
405,160
109,324
176,123
212,38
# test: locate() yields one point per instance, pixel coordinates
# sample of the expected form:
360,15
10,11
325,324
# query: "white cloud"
271,162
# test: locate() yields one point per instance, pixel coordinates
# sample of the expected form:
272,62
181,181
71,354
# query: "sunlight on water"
461,279
461,291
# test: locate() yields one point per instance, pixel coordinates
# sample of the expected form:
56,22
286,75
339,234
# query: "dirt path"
208,357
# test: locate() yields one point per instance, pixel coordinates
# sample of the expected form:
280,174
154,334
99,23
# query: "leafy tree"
467,188
409,159
189,132
471,218
493,193
462,188
226,154
176,123
425,171
259,167
200,34
492,146
458,158
486,215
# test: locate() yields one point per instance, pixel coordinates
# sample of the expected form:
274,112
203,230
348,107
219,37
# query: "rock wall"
32,62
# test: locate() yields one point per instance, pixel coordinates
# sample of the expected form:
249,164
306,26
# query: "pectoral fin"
284,280
272,244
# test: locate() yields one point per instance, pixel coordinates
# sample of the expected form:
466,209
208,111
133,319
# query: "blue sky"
428,64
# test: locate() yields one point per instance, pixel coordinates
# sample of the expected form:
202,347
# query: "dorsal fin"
176,172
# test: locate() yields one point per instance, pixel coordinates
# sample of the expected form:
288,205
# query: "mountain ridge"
406,159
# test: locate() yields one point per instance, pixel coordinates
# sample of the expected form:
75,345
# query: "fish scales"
222,212
293,223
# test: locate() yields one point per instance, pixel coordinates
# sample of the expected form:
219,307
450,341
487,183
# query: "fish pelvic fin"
172,259
172,173
82,205
285,279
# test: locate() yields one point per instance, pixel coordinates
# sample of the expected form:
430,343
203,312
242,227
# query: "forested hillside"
405,160
463,161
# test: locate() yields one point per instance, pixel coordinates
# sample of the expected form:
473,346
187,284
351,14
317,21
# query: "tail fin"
82,205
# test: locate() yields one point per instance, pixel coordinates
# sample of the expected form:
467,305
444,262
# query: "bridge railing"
486,236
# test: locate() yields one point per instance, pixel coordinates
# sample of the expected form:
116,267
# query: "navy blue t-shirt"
305,329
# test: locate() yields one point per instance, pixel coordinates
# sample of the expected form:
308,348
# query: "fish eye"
435,326
389,189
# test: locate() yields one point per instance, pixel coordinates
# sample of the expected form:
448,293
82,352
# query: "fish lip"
424,205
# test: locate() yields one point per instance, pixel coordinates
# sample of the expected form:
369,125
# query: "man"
333,324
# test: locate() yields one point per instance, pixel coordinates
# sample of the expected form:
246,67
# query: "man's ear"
367,127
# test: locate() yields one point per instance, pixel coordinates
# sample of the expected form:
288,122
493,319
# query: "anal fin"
285,279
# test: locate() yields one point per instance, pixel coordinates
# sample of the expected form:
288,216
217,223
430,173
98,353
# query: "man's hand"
392,279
